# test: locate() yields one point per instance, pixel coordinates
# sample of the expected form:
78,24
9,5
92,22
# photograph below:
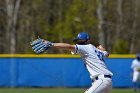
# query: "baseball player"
135,66
93,58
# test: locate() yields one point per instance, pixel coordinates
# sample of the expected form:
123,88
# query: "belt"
105,76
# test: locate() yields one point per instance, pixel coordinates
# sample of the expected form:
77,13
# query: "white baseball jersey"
135,66
93,59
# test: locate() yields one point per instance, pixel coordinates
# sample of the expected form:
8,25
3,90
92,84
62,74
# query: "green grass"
55,90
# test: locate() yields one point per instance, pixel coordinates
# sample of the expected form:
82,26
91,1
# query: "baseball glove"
40,45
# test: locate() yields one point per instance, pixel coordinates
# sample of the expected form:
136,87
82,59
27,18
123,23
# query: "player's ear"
88,41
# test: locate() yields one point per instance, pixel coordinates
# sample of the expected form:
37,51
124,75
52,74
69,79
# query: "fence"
58,71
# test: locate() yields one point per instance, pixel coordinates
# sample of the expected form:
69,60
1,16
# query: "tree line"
112,23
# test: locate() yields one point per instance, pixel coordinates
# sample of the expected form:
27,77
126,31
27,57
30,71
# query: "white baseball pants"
136,76
102,85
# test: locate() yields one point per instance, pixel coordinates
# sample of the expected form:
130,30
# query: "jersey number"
100,55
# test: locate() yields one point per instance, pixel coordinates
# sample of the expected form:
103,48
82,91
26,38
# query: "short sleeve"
106,54
133,64
75,51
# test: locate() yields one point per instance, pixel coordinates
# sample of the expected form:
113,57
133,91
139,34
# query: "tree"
134,25
102,25
108,22
12,14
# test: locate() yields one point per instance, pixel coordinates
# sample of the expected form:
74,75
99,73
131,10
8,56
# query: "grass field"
56,90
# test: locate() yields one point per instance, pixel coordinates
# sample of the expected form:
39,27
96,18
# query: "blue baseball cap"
82,36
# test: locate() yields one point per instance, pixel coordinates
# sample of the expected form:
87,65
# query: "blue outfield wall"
58,72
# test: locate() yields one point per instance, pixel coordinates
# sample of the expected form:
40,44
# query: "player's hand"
100,47
40,45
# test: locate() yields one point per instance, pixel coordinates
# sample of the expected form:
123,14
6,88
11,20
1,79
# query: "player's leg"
94,86
100,86
138,82
108,85
135,79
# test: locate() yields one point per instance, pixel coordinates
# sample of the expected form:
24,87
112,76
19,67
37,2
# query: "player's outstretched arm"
64,46
40,45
